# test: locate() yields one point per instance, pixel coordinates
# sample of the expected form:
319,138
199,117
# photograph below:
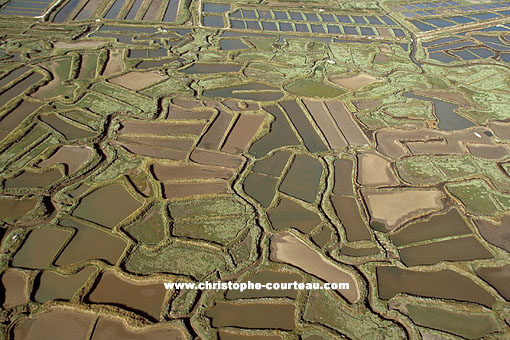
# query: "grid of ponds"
25,8
462,48
157,10
302,22
429,24
424,9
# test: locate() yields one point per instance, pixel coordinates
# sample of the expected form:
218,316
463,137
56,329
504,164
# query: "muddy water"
322,237
405,204
497,234
13,75
348,213
289,214
343,177
469,326
346,123
287,248
118,290
117,328
14,288
89,9
443,284
56,324
114,63
183,144
179,113
462,249
199,68
350,251
274,165
258,92
137,80
438,226
54,286
30,179
40,248
445,112
107,206
498,278
310,137
207,157
374,170
302,180
162,129
266,276
326,124
14,118
169,173
73,156
20,87
10,208
228,335
207,207
253,315
216,131
152,11
180,190
242,133
281,134
260,187
70,131
89,243
88,66
155,152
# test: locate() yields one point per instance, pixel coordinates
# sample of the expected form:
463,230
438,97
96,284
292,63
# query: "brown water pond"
107,206
73,156
53,286
498,277
273,165
438,226
302,180
14,284
32,179
311,138
343,177
207,157
260,187
261,315
442,284
57,324
169,172
460,249
228,335
281,134
108,328
180,190
289,214
89,243
214,135
242,133
40,248
469,326
144,297
10,207
348,213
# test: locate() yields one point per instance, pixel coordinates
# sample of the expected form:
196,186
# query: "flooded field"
146,143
